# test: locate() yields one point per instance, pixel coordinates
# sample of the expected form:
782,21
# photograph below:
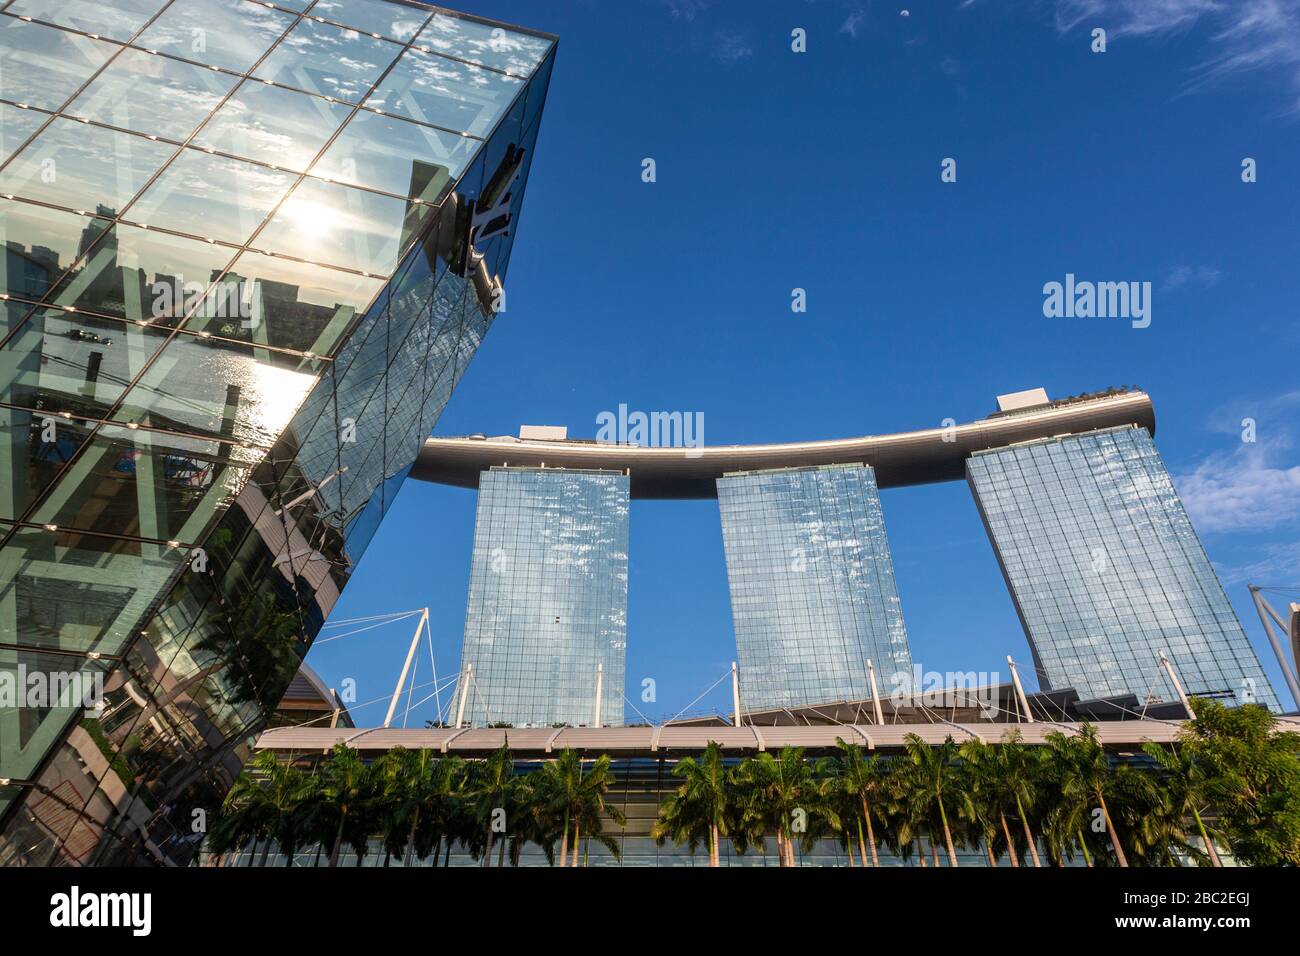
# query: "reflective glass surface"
398,22
231,34
42,66
392,155
329,223
154,95
276,126
212,196
813,595
199,438
1107,571
497,47
445,92
325,59
81,166
16,124
547,597
117,19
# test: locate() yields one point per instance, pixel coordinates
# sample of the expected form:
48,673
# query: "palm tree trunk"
714,849
780,847
934,848
338,841
564,841
1011,846
1205,838
1114,837
789,849
1083,845
862,846
577,832
410,846
501,854
947,834
266,851
920,852
871,836
1029,834
487,854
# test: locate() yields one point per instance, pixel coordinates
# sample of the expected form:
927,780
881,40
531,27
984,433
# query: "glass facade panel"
81,166
16,125
392,155
445,92
117,20
130,271
484,44
230,34
186,478
150,94
74,361
324,59
1106,571
341,226
212,196
206,386
547,597
373,16
280,127
42,66
813,595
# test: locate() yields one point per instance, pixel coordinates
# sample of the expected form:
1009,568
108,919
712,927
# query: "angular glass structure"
248,252
813,596
1106,571
547,598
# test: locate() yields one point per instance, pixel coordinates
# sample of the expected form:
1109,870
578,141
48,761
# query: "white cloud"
852,22
1279,565
1204,276
1246,34
1251,487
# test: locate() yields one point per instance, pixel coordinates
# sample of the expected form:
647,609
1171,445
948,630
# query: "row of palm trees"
1231,781
1004,800
418,805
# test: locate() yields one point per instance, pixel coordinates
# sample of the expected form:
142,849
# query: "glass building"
248,251
1106,571
813,595
547,597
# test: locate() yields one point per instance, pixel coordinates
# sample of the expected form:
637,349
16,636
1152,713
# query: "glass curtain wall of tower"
1106,571
813,595
547,598
248,252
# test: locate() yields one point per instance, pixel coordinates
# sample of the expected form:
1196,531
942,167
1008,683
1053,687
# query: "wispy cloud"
1250,487
852,22
1246,35
686,10
730,47
1278,564
949,67
1202,276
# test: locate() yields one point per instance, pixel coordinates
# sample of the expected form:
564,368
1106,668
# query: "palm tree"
1083,770
345,797
981,797
404,783
859,778
699,808
783,794
930,775
493,787
1019,771
444,812
579,799
1187,786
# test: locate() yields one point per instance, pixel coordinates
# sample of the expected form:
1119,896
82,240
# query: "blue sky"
821,171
